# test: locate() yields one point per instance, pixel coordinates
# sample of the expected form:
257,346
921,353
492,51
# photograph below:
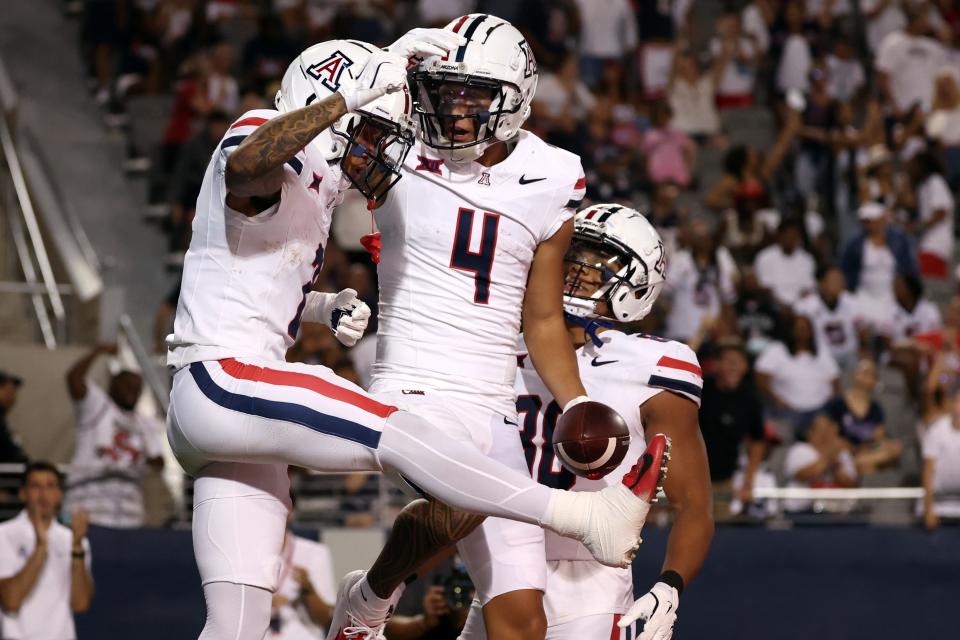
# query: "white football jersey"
623,373
925,318
835,328
458,243
245,279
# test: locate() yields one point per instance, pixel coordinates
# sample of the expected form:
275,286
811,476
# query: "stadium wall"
828,583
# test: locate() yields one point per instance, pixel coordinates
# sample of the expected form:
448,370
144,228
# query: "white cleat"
616,514
345,625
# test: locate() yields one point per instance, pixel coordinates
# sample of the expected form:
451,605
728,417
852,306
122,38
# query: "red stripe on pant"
237,369
932,265
615,630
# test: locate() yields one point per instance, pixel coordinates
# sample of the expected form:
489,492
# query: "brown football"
591,439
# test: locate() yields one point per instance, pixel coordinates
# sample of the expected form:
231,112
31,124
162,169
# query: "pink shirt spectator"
666,151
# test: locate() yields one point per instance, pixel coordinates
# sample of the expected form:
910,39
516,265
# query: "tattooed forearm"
278,140
423,529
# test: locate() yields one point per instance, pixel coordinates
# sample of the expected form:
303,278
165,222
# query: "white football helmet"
370,143
490,80
617,257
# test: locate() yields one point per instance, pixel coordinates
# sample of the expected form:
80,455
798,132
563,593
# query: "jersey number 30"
480,263
537,417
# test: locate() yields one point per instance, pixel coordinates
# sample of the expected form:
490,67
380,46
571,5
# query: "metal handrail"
148,367
31,223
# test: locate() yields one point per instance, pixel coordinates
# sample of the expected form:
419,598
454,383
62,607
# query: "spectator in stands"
785,267
115,444
907,61
550,27
871,260
943,123
914,321
756,17
192,161
739,54
692,94
267,54
608,40
883,18
44,566
10,450
833,312
823,460
817,138
796,378
861,421
701,281
941,468
562,104
935,212
758,316
877,182
845,74
796,57
670,154
303,602
943,378
731,419
667,216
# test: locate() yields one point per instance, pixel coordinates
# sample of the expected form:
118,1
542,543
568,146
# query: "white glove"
343,312
384,72
658,607
417,44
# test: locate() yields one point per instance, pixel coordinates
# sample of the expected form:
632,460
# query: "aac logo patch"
328,71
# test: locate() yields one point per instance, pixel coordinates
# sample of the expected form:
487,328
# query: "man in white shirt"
907,62
935,210
785,267
941,468
739,53
608,34
824,460
44,566
114,446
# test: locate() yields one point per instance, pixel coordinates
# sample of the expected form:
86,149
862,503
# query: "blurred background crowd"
800,159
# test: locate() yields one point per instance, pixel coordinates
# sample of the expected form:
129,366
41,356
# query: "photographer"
445,606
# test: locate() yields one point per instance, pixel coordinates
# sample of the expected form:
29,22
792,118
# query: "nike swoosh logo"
645,461
505,421
524,180
362,595
598,363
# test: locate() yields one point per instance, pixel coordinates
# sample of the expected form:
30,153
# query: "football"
591,439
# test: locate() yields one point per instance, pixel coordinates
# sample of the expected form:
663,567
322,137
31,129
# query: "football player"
473,239
614,273
239,414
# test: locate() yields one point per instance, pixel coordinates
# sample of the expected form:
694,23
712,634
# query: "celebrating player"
472,237
615,269
239,413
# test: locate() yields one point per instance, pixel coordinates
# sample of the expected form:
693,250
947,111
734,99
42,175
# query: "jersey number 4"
480,263
536,418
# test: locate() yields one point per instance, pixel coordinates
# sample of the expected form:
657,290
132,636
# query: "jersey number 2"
480,263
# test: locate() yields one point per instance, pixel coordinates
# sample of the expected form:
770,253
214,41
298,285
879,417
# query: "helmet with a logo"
369,143
490,81
616,257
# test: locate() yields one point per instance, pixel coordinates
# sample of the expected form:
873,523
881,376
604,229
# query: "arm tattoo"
420,531
279,139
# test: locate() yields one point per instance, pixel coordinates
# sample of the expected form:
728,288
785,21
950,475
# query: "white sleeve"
8,557
845,461
762,269
728,276
678,370
886,60
940,196
930,446
799,456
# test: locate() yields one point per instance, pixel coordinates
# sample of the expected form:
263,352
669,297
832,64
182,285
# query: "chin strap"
371,241
590,326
